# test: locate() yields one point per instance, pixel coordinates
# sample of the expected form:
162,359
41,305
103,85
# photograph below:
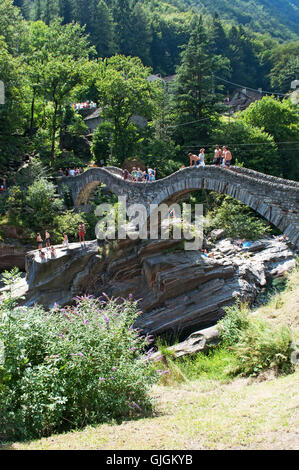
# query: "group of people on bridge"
70,171
222,157
138,175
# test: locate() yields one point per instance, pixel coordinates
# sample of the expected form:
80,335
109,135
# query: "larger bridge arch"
276,199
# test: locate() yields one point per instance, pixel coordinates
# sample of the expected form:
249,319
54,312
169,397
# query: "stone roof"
94,115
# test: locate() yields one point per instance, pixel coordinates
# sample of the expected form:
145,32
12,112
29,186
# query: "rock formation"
179,290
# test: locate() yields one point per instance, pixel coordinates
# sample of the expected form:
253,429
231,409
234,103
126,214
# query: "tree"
249,145
124,91
194,100
280,120
285,66
57,61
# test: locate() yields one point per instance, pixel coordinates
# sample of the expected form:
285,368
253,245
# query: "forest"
54,53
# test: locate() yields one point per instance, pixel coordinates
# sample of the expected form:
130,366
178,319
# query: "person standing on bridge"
217,156
227,157
201,159
48,239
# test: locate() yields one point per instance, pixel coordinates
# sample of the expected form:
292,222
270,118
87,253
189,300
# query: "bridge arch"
276,199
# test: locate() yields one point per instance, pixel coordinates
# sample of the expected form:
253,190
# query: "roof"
94,115
243,97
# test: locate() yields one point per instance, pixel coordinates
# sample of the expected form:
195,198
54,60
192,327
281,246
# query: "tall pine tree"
195,102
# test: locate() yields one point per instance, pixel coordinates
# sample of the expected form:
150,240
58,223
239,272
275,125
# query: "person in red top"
82,233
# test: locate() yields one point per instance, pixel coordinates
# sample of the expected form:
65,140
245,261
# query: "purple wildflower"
114,368
158,358
106,319
102,379
132,349
87,322
136,405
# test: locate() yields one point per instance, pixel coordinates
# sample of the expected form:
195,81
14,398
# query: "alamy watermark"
136,221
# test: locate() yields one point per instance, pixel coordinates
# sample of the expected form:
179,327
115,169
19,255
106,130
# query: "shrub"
256,343
232,325
261,347
71,367
237,220
68,222
42,203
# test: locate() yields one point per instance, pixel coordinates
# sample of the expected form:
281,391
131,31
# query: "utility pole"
2,93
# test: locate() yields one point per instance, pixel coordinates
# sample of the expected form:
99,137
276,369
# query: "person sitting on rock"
42,256
53,252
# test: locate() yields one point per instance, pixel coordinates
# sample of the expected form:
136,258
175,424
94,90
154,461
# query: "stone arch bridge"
274,198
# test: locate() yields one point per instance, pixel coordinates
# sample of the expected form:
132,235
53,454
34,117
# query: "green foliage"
102,141
123,92
256,343
68,222
237,220
67,196
42,203
212,365
232,325
261,347
68,368
15,202
250,145
280,120
285,65
193,98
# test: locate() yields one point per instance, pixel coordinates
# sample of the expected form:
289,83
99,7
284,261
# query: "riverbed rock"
178,290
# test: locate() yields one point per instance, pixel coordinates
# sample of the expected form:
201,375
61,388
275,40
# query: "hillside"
278,17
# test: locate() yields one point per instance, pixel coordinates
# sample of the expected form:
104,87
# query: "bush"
256,343
261,347
71,367
42,204
68,222
237,220
232,325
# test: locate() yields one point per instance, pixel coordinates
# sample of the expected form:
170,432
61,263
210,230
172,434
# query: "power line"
242,144
190,122
248,88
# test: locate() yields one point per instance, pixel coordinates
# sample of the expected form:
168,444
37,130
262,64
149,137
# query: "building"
242,98
93,120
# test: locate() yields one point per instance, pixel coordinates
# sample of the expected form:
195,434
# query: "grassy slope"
201,415
210,413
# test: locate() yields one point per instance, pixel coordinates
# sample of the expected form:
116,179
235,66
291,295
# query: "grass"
204,414
283,308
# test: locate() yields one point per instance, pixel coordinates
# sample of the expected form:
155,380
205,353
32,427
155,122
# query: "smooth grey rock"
217,234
